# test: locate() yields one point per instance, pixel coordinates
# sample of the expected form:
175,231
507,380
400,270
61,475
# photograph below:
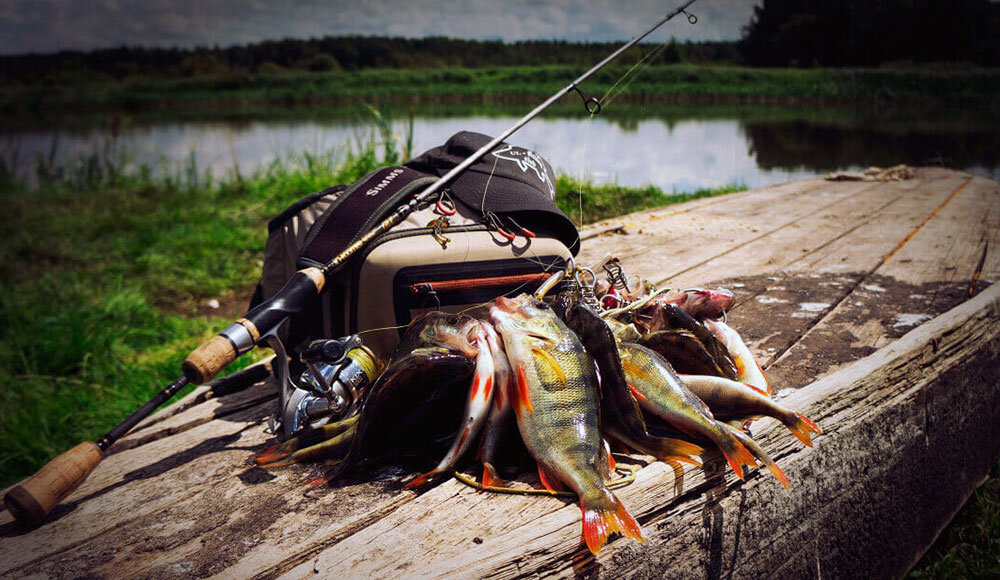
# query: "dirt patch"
804,326
231,304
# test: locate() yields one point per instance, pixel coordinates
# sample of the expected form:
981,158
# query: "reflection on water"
677,152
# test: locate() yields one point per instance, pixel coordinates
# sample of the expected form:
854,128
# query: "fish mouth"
504,304
459,337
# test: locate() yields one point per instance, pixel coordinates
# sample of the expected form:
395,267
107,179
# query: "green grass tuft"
970,546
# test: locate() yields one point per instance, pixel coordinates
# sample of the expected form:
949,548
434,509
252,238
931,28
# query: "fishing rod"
32,500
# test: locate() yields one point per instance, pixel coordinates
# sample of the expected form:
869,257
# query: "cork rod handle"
31,501
209,359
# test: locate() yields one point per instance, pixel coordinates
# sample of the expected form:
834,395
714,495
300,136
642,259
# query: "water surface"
676,149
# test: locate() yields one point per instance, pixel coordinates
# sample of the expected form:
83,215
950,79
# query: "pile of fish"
659,372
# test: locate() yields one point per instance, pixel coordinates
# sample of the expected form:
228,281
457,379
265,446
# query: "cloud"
50,25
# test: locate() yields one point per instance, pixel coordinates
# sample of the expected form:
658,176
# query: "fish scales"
557,406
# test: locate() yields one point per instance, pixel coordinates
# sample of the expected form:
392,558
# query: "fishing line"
631,74
627,472
609,96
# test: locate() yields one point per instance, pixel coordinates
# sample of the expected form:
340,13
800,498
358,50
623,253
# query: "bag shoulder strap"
282,218
357,211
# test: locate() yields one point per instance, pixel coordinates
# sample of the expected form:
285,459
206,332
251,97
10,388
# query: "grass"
662,83
970,546
106,267
103,270
585,202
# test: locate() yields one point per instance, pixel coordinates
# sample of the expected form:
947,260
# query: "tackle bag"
494,230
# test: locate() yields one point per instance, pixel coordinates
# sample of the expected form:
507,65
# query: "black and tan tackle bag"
495,230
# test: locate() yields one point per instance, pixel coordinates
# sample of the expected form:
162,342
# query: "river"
677,149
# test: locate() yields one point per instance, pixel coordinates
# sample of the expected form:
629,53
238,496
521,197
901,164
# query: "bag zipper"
490,282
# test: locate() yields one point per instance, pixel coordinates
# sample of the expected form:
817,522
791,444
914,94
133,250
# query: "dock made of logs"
871,306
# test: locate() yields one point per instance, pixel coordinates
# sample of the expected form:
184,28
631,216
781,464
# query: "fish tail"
801,426
490,477
664,448
762,455
602,517
734,451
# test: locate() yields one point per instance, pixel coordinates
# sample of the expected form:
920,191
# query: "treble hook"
591,104
691,17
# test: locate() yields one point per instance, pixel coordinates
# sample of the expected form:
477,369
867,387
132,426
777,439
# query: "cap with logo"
509,180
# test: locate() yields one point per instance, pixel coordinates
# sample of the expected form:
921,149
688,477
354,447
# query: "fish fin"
522,402
611,459
767,385
316,481
274,460
273,456
736,454
490,477
422,479
801,426
762,455
766,393
549,481
677,450
270,449
552,362
633,369
602,518
639,396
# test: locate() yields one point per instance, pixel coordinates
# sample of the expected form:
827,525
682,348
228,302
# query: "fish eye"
452,320
544,306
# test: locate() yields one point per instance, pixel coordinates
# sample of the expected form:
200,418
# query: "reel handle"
30,502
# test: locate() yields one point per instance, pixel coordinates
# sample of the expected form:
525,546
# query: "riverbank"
108,273
682,83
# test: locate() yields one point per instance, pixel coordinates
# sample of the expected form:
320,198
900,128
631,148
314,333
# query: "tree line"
871,32
349,53
798,33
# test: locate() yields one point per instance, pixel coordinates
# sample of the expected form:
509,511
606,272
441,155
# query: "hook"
444,204
494,221
591,104
527,233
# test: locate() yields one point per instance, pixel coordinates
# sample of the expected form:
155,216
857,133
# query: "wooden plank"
226,385
991,266
849,229
208,409
698,235
189,504
779,303
926,273
133,485
886,395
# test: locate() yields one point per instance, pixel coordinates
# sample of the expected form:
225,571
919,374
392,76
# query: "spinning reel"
337,373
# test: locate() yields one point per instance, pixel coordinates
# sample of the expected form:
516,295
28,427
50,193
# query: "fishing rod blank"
31,501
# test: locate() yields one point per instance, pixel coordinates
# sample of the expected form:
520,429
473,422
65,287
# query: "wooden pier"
871,306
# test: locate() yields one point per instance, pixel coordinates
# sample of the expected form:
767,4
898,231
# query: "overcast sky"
51,25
